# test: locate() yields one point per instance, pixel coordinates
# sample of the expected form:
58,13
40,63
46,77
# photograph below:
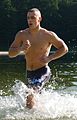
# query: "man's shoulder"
48,32
22,32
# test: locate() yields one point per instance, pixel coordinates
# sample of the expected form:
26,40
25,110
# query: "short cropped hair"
35,10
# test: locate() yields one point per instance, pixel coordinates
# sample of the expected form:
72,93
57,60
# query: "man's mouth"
30,24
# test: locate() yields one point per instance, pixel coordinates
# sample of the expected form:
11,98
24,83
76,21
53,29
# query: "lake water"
57,101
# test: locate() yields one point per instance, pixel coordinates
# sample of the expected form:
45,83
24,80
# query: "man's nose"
29,19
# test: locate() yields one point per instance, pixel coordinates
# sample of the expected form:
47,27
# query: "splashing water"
50,104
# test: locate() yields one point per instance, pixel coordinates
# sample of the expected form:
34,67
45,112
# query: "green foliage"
58,15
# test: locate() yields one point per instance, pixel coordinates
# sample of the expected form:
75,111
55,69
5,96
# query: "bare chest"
37,42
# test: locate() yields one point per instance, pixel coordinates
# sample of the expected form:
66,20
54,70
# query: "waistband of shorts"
42,68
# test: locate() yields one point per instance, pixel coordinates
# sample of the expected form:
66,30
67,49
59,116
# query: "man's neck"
35,30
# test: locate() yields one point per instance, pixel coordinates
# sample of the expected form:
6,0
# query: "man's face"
33,19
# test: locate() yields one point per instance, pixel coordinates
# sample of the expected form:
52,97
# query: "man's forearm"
14,51
59,53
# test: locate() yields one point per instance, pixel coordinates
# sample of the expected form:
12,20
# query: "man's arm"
15,47
58,43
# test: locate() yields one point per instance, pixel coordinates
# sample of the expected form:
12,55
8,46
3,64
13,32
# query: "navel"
49,43
31,66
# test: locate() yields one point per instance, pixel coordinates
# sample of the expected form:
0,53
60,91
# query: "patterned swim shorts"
39,77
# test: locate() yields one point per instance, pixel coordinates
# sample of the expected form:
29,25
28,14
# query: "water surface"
57,101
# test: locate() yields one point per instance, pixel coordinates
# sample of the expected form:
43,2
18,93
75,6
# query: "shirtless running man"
36,43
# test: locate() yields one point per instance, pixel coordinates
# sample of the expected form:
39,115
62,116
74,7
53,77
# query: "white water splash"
50,104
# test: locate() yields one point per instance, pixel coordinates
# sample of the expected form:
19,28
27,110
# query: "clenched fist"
25,46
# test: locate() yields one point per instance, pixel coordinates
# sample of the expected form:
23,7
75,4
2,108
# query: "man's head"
34,18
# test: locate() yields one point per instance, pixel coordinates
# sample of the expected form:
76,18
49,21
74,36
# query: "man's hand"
44,59
26,46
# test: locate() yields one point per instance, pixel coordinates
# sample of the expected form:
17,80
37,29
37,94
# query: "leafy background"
59,16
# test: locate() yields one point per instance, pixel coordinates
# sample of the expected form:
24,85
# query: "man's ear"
40,19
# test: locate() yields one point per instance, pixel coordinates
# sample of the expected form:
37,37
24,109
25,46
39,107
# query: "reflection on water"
57,101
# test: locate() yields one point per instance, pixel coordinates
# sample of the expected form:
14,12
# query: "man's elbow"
11,54
66,49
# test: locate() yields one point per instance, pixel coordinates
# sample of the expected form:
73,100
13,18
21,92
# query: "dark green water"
64,71
63,83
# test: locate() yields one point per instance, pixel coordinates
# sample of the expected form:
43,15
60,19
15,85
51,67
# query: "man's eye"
32,17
